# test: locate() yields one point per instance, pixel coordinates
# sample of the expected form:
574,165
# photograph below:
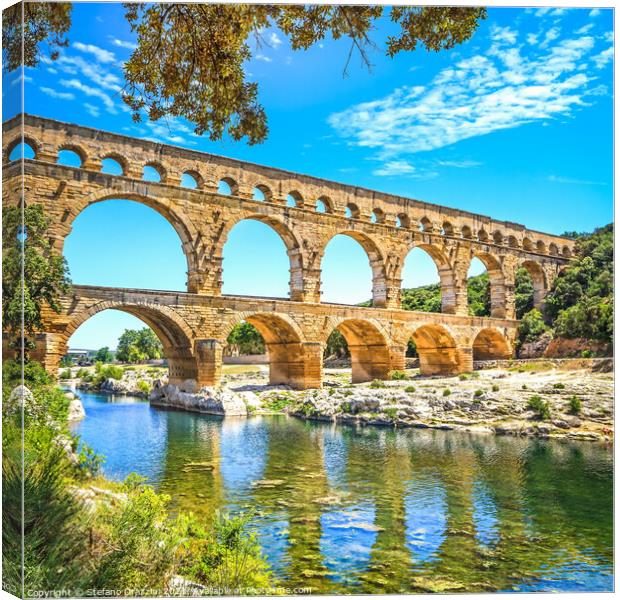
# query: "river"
378,510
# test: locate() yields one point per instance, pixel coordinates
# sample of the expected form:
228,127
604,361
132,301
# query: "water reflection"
373,510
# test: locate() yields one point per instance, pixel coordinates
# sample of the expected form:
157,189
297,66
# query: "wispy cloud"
571,181
263,58
274,40
76,84
104,56
595,12
459,164
124,44
56,94
20,78
505,86
96,73
92,110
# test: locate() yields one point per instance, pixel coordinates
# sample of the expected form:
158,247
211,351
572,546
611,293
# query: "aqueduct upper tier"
387,226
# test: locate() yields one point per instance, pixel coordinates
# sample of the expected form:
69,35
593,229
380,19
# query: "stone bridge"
307,212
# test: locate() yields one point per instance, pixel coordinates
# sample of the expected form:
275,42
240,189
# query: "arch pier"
307,212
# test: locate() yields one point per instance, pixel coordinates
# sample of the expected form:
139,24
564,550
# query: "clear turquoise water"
378,510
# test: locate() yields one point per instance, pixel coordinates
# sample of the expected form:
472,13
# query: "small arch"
113,164
566,252
553,249
497,288
153,172
69,157
294,199
483,236
324,205
490,344
528,245
261,193
541,248
425,224
513,242
466,232
447,229
21,150
227,186
539,280
498,237
403,221
377,216
370,357
283,341
192,180
437,350
352,211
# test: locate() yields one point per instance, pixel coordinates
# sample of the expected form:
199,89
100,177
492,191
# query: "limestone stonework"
193,326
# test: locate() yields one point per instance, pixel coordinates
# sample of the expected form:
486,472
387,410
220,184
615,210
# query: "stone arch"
566,252
181,224
378,216
288,237
368,345
483,236
491,344
375,259
496,282
553,249
196,176
26,139
402,220
83,156
541,247
447,228
466,232
498,237
539,280
437,348
426,224
528,245
513,242
298,199
231,183
445,272
352,211
175,334
327,203
284,342
120,159
265,191
161,170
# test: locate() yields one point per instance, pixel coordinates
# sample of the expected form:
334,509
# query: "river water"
378,510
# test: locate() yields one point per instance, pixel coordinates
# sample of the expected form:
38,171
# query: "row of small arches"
114,164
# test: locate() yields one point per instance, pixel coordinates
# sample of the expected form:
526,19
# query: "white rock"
76,410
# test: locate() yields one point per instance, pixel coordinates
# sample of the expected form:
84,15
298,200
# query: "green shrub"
277,403
143,386
478,393
474,375
463,377
398,375
574,405
495,387
538,405
66,374
558,386
391,412
34,375
531,327
410,389
377,383
524,387
345,407
81,373
446,392
586,353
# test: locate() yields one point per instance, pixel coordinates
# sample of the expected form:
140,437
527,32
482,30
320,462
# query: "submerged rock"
209,400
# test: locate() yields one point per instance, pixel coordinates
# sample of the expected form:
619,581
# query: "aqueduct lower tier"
193,329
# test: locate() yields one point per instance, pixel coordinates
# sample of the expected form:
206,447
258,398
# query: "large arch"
496,283
444,272
375,260
176,336
284,344
437,350
539,280
491,344
370,355
291,244
183,226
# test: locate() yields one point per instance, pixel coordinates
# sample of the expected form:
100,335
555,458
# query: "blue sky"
516,123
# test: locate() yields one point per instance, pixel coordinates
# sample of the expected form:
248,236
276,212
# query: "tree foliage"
137,345
104,355
190,59
45,274
580,302
246,339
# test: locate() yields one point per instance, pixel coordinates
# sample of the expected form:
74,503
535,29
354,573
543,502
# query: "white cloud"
96,73
263,58
274,40
92,110
585,29
124,44
58,95
459,164
501,88
571,181
395,167
104,56
90,91
600,60
595,12
19,79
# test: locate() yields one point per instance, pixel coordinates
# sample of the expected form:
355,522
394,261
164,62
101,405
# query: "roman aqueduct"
194,324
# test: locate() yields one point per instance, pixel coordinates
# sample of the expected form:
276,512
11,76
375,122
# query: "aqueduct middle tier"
307,212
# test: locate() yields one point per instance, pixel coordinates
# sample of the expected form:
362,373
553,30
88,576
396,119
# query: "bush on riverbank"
79,535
